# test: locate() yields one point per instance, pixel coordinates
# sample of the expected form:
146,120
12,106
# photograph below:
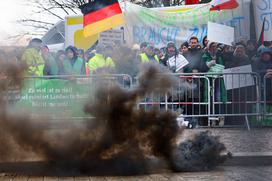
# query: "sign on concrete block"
111,37
238,77
220,33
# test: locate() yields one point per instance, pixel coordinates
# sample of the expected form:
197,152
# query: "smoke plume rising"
120,140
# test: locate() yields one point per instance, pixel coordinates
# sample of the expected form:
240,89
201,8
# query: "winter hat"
266,50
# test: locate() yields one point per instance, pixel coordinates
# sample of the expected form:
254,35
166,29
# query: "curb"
249,159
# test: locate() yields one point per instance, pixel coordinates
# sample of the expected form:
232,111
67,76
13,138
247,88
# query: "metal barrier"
236,96
267,100
61,97
185,98
197,96
212,96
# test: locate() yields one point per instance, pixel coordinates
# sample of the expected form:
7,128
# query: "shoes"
217,121
221,121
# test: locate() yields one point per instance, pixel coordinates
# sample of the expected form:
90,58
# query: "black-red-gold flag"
101,15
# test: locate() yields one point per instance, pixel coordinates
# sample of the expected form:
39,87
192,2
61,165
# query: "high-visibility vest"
75,69
144,58
34,61
98,61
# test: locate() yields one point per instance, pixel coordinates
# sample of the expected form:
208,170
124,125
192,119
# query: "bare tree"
46,13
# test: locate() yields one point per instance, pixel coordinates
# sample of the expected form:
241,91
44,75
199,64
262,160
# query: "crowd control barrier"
61,97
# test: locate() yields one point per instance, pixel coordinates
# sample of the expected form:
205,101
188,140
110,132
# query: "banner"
159,27
53,98
220,33
111,37
234,77
263,10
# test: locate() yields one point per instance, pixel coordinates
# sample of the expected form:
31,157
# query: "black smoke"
121,140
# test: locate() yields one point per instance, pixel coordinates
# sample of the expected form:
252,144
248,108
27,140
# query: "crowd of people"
72,61
200,58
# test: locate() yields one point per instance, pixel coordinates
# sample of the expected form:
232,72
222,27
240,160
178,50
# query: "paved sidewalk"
220,174
241,140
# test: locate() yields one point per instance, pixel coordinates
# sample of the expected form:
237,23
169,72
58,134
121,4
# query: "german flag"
101,15
261,37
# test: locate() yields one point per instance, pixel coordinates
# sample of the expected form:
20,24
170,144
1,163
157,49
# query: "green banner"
58,99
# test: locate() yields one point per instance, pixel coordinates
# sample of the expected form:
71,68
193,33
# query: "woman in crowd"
205,42
73,65
214,58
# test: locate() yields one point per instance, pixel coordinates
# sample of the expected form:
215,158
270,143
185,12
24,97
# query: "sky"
10,11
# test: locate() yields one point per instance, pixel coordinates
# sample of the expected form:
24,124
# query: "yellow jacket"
34,61
99,61
144,58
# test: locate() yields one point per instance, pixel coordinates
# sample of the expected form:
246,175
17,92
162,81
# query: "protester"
161,56
205,42
101,60
194,57
239,58
183,50
149,55
173,59
126,62
32,58
73,65
143,45
213,58
242,94
51,66
135,49
251,49
264,62
60,57
80,53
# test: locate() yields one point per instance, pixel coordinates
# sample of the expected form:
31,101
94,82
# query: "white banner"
263,10
220,33
161,26
234,77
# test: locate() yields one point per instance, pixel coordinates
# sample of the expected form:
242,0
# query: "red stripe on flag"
101,14
261,38
188,2
231,4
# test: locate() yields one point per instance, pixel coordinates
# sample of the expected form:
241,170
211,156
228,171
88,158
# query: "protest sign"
178,62
234,77
159,27
263,10
220,33
111,37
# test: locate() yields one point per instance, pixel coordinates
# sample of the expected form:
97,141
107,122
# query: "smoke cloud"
120,140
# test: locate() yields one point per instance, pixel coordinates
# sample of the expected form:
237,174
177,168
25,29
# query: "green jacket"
144,58
51,66
99,61
219,60
76,69
34,62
